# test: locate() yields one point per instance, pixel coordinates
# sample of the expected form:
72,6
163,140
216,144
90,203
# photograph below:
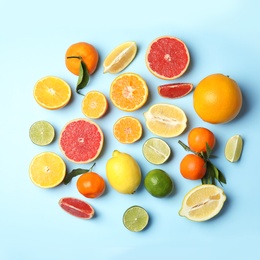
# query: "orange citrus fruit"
52,92
128,92
167,57
47,170
94,104
217,99
198,137
91,185
127,130
193,167
81,51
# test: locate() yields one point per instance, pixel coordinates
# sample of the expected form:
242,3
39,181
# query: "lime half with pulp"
42,133
233,149
156,151
135,218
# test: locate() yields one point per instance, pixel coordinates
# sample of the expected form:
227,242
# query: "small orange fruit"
94,104
192,167
127,130
198,137
84,51
217,99
128,92
91,185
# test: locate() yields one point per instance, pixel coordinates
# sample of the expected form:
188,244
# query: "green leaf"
76,172
83,78
187,148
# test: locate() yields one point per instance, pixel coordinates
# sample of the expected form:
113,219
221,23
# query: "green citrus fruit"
234,148
158,183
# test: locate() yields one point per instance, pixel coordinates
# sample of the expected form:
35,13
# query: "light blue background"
222,36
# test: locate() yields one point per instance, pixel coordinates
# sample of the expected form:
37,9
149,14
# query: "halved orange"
129,92
52,92
94,104
127,129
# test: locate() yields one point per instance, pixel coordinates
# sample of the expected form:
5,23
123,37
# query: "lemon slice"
234,148
120,57
202,202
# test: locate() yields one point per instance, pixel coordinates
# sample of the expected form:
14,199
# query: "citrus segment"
128,92
120,57
165,120
156,151
175,90
77,208
217,99
135,218
94,104
167,57
41,133
81,140
52,92
233,149
202,202
127,129
47,170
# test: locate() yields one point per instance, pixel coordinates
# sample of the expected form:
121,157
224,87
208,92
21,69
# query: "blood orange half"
77,208
81,140
167,57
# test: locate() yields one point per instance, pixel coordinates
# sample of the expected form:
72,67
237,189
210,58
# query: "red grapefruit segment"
175,90
81,140
167,57
77,208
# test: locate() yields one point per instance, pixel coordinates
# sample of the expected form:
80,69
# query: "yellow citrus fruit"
52,92
128,92
202,202
127,129
120,57
217,99
234,147
165,120
94,104
123,172
47,170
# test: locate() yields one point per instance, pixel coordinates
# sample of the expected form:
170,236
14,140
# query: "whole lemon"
123,173
217,99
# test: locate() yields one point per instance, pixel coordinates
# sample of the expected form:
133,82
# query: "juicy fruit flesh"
81,141
233,149
175,90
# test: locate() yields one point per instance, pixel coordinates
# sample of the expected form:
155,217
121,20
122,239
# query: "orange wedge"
127,130
94,104
52,92
128,92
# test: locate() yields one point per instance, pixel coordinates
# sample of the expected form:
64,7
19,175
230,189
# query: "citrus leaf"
83,78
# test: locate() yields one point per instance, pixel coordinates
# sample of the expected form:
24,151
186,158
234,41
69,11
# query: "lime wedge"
156,151
233,149
135,218
42,133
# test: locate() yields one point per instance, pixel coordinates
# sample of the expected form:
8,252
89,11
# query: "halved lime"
42,133
135,218
233,149
156,151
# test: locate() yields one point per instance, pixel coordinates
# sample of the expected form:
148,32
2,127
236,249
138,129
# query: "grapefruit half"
167,57
81,140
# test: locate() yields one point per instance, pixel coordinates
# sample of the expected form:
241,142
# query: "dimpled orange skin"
217,99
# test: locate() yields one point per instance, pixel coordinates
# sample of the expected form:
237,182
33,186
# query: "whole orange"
217,99
91,185
193,167
198,137
84,51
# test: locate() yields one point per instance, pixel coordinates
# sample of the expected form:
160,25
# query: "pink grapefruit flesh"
81,140
175,90
77,208
167,57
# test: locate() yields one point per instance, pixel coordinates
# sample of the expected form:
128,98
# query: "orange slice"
165,120
52,92
127,130
47,170
128,92
94,104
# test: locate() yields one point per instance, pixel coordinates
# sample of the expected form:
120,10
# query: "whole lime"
158,183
